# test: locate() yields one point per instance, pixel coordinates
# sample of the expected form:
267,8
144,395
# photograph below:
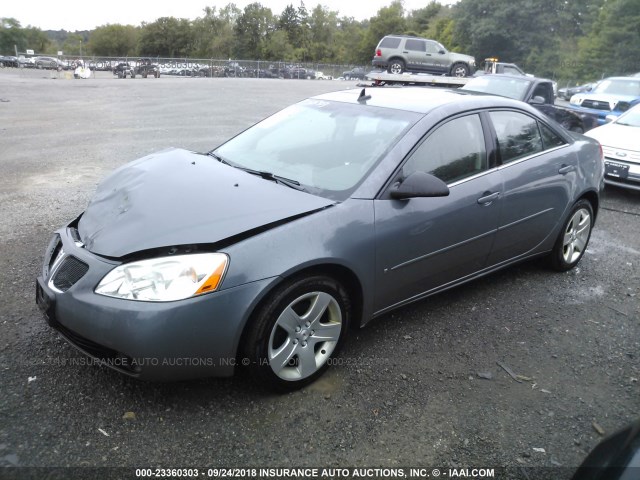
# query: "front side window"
416,45
518,135
454,151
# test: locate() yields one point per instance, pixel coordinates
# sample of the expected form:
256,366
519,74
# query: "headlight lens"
165,279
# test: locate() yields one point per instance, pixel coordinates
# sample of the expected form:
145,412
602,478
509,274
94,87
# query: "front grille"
108,356
596,105
69,273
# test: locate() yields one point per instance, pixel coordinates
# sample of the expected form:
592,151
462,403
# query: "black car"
356,73
146,68
536,91
123,69
9,61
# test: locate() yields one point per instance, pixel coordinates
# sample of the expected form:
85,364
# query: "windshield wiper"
220,159
266,175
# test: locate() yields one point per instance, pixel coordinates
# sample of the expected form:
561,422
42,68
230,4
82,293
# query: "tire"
396,66
460,70
296,332
574,237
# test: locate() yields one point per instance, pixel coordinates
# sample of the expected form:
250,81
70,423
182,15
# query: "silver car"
265,252
400,53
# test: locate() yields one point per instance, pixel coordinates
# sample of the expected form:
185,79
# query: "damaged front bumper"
191,338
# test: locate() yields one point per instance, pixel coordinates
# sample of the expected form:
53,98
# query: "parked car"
327,214
612,96
399,53
26,62
146,68
49,63
123,69
568,92
536,91
322,76
9,61
620,140
356,73
493,66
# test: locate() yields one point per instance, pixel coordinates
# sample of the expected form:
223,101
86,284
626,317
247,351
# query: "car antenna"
363,96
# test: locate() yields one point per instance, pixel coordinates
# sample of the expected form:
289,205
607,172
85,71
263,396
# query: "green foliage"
113,40
554,38
252,30
613,44
13,34
388,20
166,37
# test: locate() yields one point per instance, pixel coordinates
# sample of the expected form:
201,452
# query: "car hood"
612,100
621,137
177,197
462,57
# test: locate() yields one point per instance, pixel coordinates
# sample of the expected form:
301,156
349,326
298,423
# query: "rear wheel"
459,70
294,335
573,238
396,66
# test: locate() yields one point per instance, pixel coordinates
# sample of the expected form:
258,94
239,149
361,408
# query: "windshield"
619,87
631,118
507,87
328,147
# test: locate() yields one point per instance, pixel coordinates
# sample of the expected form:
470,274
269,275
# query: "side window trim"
499,163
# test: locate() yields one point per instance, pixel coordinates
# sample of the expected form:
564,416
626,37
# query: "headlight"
166,278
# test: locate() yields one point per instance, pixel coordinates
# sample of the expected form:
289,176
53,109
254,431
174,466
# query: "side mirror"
420,184
537,100
442,52
610,118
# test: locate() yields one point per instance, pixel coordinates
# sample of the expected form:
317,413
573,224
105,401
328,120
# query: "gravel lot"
407,392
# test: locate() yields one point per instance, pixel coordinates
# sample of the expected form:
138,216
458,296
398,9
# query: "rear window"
389,42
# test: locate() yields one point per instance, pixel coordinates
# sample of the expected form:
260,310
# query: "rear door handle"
488,198
564,169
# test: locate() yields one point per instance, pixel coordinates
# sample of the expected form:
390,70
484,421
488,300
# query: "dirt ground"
408,389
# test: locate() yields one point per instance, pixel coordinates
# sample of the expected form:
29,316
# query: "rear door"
423,244
539,168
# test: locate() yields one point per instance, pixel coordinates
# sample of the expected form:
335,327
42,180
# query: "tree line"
552,38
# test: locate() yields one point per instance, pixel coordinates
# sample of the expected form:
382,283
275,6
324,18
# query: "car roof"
515,77
420,99
626,79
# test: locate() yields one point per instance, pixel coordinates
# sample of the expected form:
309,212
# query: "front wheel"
296,333
460,70
573,238
396,66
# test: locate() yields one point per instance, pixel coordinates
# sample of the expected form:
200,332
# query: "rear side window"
518,135
416,45
550,139
454,151
389,42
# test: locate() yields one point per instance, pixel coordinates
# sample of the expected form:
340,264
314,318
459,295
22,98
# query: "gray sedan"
265,252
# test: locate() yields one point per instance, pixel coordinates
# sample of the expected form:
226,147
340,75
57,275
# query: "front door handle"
487,198
564,169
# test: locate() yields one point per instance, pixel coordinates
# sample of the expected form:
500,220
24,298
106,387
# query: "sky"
74,15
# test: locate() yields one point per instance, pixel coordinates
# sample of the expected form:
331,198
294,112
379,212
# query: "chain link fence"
194,67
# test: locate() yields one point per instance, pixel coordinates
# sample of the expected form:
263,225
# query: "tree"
612,47
387,21
166,37
114,40
252,30
323,29
11,34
